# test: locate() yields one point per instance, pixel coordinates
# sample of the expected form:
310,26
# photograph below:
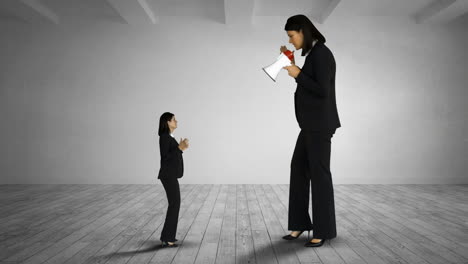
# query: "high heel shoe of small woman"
166,244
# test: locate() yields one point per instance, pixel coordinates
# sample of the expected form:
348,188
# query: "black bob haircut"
310,32
163,126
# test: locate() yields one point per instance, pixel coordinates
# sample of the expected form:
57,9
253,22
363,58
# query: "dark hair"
310,32
163,126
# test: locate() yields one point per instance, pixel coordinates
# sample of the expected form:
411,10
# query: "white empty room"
83,84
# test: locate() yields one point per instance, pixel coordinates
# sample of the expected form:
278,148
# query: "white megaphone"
283,60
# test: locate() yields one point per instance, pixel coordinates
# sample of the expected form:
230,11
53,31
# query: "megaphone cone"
283,60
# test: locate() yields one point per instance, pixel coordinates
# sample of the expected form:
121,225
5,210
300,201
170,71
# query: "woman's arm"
168,153
323,65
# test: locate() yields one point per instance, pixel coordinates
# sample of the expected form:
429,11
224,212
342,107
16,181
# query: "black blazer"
172,164
314,99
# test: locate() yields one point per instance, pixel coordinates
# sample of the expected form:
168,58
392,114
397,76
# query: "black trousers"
311,165
169,230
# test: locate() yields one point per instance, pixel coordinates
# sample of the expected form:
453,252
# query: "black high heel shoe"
318,244
166,244
289,237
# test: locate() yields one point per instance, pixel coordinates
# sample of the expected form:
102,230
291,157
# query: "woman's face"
296,38
172,124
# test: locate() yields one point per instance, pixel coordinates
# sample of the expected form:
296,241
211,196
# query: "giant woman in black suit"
172,168
317,116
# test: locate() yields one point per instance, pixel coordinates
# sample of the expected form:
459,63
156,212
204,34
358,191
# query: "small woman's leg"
169,230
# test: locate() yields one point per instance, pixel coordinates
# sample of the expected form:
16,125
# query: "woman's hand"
283,49
183,144
293,70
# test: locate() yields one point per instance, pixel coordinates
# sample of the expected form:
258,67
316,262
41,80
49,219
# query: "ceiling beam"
453,11
238,11
33,11
332,4
135,12
441,11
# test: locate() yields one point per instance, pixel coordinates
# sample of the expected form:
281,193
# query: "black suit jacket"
172,164
314,99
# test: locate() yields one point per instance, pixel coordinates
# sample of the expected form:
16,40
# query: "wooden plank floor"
229,224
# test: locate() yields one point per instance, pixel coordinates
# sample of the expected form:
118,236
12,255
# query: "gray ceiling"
227,11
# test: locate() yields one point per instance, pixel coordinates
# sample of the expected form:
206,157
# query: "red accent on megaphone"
289,54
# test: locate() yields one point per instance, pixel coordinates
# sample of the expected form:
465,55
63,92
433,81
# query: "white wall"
80,103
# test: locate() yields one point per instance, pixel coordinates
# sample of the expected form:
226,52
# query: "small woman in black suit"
317,116
172,168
